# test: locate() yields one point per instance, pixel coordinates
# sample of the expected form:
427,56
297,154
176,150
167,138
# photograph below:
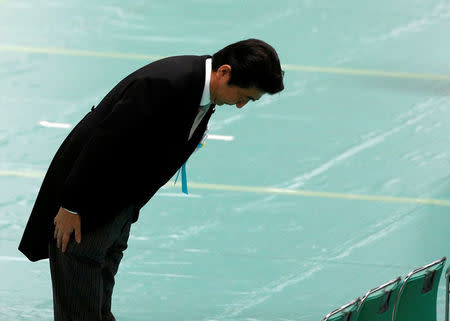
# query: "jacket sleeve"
108,169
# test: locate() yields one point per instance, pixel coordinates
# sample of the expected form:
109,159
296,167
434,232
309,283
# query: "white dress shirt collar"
206,97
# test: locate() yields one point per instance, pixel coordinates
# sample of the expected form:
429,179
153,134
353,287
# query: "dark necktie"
202,110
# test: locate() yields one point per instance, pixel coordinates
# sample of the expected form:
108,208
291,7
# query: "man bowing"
119,155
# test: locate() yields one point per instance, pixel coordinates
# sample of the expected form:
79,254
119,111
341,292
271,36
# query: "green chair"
378,303
447,292
416,299
347,312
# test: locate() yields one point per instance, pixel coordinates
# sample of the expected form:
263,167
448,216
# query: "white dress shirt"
205,102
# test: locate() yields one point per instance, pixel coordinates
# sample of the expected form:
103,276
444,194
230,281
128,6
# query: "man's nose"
241,104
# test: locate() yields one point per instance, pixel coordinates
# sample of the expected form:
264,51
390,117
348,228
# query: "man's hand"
65,224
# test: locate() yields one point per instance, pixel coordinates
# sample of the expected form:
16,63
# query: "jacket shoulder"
184,75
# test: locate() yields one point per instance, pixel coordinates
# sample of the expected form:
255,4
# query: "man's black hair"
254,64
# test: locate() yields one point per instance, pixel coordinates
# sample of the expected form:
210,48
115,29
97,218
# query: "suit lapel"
191,109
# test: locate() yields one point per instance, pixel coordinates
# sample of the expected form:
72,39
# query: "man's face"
233,95
230,94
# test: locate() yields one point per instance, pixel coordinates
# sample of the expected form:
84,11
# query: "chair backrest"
378,304
416,299
347,312
447,292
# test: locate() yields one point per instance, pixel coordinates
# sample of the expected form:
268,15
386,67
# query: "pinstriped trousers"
83,276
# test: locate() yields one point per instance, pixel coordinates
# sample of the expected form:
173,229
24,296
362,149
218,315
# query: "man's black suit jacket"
122,151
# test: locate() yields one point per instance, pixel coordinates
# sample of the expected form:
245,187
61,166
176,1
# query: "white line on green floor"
289,67
272,190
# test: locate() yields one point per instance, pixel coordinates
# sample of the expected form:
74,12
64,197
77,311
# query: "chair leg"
447,291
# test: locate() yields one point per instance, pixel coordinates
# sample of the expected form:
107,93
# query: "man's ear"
224,71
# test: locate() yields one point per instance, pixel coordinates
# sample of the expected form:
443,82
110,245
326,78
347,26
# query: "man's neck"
212,87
